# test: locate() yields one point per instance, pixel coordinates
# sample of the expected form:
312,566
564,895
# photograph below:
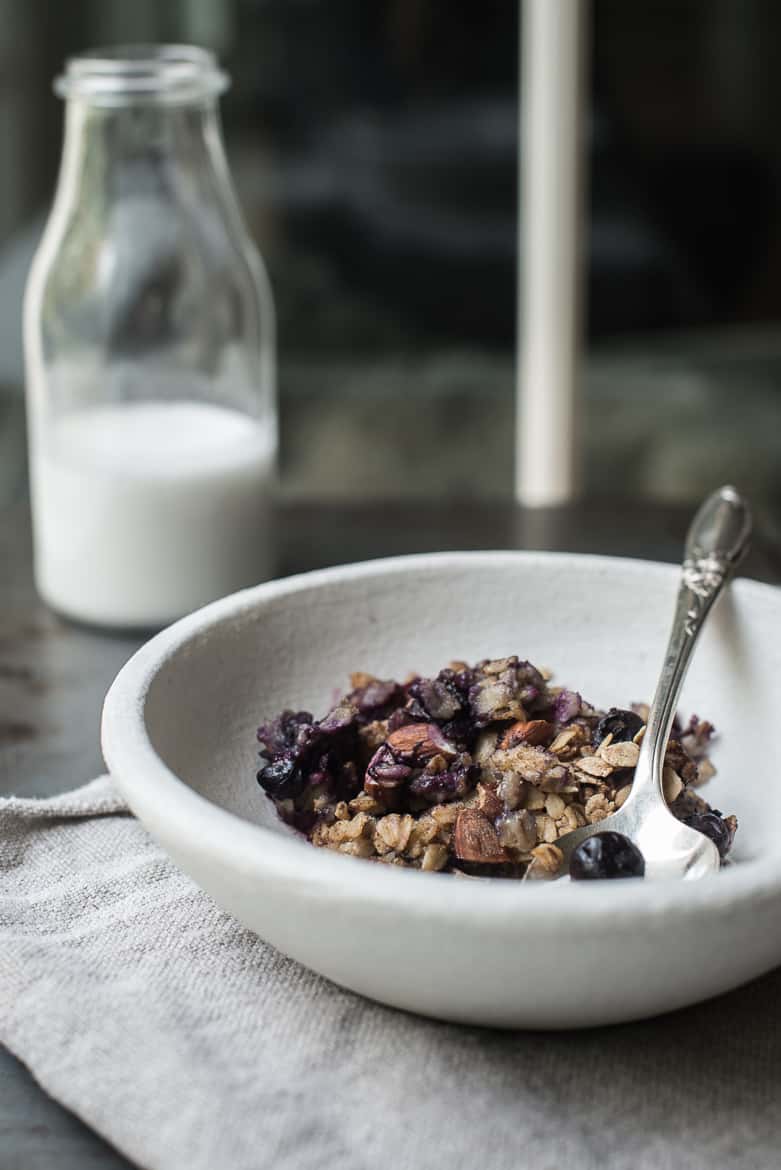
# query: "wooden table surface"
53,676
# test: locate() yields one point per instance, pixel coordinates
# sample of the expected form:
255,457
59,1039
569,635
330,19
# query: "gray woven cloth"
191,1045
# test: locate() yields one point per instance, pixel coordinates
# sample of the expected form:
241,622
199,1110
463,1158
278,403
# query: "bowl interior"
600,624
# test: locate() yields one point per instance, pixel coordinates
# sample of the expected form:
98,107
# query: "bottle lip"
119,74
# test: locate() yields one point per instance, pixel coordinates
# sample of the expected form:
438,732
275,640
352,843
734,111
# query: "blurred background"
374,148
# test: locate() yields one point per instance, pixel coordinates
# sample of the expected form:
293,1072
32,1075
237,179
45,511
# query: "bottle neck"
136,147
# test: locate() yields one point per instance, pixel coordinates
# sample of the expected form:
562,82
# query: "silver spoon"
716,543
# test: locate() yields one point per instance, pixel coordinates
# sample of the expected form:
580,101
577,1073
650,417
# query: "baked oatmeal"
477,770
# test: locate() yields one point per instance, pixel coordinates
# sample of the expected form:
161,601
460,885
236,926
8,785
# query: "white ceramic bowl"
179,736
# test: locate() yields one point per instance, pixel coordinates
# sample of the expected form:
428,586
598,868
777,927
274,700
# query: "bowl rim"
263,854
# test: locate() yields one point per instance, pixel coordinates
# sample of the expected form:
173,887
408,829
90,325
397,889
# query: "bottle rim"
153,73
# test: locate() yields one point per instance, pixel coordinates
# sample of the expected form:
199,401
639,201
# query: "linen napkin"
190,1044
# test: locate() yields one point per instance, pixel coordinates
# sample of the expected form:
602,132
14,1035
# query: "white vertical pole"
552,190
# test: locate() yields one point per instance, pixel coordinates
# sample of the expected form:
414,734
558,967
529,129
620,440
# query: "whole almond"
533,731
476,839
422,740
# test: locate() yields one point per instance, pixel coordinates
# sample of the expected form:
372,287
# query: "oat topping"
478,770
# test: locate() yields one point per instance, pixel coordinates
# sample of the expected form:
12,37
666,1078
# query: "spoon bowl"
670,848
716,543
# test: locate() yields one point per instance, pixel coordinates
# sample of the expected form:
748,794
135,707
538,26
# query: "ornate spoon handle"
717,541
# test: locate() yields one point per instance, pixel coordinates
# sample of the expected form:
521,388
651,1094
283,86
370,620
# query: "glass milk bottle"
149,348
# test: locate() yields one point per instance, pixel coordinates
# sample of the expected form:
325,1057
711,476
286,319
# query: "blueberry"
377,699
606,855
287,732
300,753
712,825
340,718
622,725
453,784
461,731
282,778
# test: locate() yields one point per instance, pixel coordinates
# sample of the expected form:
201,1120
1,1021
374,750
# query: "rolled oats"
597,808
445,815
546,862
620,755
392,833
535,799
594,766
350,830
546,828
671,784
573,818
424,831
705,771
554,806
365,803
568,742
435,857
621,795
361,847
374,734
